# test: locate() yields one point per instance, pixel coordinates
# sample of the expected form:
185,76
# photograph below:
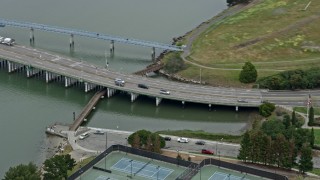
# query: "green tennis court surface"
142,168
224,176
138,168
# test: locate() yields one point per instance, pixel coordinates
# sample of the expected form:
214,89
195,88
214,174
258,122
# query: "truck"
7,41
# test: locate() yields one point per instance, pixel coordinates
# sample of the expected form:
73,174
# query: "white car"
183,140
84,135
163,91
119,82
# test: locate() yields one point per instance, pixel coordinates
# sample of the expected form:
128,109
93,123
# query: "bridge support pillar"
31,36
110,92
153,53
31,71
88,87
112,47
237,108
11,67
209,107
158,101
134,96
69,81
183,103
71,41
51,76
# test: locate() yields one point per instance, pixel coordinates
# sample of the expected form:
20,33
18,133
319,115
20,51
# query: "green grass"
304,110
316,171
317,136
203,135
282,27
82,163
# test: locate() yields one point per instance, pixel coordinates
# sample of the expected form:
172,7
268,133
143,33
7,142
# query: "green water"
28,105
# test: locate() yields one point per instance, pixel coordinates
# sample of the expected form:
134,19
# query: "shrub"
266,109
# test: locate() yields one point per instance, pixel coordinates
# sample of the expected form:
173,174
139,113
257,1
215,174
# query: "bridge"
95,35
70,72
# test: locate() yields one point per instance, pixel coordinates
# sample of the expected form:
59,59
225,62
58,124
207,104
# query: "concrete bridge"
95,35
53,67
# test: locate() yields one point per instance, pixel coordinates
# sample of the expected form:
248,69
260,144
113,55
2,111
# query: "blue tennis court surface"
138,168
224,176
104,178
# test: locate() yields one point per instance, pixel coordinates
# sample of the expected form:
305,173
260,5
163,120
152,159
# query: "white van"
183,140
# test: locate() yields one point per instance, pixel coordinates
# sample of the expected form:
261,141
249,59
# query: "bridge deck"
87,110
43,27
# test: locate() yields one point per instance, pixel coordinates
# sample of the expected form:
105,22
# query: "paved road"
101,76
81,70
97,143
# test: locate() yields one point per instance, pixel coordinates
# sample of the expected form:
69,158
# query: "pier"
87,110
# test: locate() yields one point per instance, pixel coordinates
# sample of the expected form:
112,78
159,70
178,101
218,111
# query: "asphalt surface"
100,76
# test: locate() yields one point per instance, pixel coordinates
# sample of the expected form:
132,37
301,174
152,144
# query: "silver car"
162,91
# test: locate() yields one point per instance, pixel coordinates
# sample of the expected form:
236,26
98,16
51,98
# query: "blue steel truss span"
62,30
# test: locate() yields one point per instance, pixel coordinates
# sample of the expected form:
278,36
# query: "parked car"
84,135
119,82
200,143
183,140
163,91
207,151
167,138
99,132
143,86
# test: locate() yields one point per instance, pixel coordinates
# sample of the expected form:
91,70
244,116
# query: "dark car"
99,132
143,86
206,151
167,138
200,143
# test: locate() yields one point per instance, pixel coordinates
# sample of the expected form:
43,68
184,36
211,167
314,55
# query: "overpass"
95,35
51,67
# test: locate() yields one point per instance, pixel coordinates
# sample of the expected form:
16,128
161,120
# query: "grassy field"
317,136
275,35
304,110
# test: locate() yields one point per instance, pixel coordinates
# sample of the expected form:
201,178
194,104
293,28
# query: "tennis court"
143,169
104,178
224,176
212,172
120,168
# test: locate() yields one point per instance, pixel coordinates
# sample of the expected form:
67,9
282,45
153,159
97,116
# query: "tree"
248,74
272,128
174,64
22,172
294,118
136,141
312,138
305,162
57,167
149,144
311,117
157,145
286,121
144,139
245,147
266,109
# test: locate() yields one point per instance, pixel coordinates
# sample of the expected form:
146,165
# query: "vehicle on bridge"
119,82
183,140
163,91
143,86
7,41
